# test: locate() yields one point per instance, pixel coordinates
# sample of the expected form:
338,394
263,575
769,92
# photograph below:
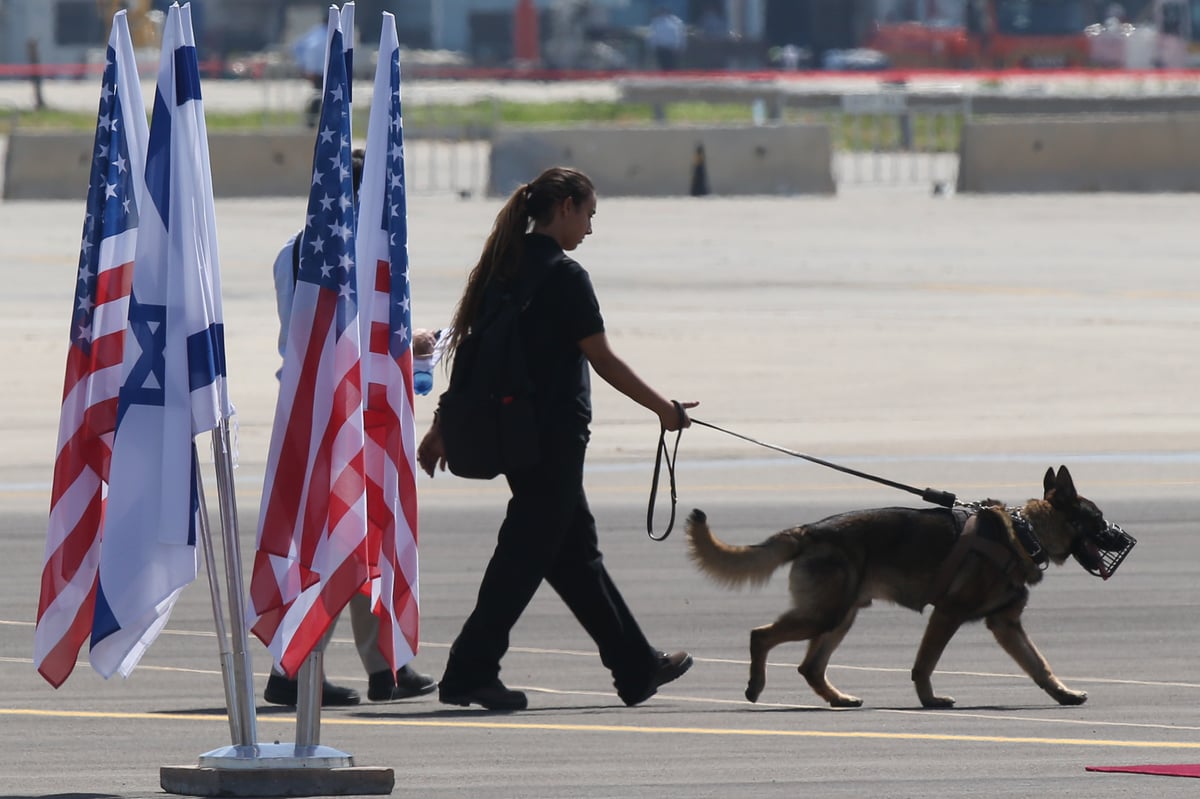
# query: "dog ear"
1065,486
1048,483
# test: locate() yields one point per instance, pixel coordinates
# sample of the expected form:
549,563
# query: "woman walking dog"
549,532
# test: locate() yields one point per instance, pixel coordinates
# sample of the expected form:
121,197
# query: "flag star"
85,246
110,190
345,290
402,332
308,220
85,332
103,122
85,304
346,262
125,205
113,126
317,177
343,172
106,92
345,202
404,303
101,151
327,135
85,274
397,181
326,270
318,245
326,203
119,163
336,93
335,161
397,152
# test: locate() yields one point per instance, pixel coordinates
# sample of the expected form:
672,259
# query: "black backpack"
486,414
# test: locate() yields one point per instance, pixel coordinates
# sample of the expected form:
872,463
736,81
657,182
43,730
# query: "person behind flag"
549,532
382,683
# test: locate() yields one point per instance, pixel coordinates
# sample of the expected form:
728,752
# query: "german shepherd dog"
969,564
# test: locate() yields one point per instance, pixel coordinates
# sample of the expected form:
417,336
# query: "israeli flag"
173,383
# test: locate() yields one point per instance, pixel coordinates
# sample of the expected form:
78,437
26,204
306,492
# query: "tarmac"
962,343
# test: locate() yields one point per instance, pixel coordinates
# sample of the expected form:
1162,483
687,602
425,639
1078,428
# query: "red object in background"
526,47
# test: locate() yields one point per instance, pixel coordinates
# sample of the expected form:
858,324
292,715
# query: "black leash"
943,498
659,457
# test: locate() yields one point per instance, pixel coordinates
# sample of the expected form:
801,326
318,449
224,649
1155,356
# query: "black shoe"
670,667
282,691
384,686
493,696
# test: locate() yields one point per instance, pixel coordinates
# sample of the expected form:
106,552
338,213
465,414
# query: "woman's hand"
431,454
674,416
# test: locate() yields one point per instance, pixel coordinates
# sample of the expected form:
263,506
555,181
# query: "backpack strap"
296,259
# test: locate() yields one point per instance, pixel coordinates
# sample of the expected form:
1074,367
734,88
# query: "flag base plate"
276,770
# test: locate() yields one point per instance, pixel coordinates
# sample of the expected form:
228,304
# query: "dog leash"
943,498
670,457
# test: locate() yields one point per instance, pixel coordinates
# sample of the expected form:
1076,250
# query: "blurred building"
574,33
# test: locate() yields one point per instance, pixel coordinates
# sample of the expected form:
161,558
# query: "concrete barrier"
1151,153
55,165
660,162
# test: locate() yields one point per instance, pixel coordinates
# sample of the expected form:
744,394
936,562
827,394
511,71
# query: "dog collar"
1027,537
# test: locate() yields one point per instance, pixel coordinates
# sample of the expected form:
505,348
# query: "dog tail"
735,566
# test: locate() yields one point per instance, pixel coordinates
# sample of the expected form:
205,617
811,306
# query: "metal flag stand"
246,767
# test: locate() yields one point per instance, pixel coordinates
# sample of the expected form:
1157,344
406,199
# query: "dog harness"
1015,562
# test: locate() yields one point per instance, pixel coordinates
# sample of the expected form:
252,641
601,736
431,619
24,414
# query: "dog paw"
845,700
1071,697
937,702
753,692
697,516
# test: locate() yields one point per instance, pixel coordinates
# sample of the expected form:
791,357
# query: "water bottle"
423,375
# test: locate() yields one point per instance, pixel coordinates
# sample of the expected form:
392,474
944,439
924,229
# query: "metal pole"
308,699
214,586
223,462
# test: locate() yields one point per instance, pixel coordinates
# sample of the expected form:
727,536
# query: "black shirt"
564,311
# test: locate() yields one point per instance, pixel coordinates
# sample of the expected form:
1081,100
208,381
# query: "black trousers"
549,534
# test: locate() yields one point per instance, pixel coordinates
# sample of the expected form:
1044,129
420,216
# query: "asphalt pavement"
961,343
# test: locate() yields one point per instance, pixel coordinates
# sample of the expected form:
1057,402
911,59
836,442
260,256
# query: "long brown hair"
501,257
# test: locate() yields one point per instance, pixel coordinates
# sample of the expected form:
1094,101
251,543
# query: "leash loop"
670,457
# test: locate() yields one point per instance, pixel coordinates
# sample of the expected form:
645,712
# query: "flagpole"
214,590
243,693
308,703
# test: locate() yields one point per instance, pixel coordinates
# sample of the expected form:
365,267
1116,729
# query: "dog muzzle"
1101,552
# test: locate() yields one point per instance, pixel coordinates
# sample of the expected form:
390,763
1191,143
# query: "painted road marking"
617,728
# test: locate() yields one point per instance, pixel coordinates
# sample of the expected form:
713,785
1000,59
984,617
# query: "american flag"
93,375
311,552
388,366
